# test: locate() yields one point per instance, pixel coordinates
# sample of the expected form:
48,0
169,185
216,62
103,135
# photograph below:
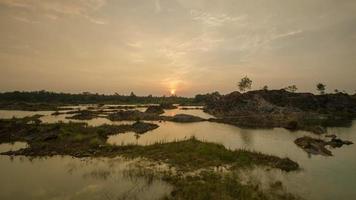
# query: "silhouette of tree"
245,84
291,88
321,88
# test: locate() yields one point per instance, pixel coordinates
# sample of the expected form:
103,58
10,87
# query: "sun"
173,92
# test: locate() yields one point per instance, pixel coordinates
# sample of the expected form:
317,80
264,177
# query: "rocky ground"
279,108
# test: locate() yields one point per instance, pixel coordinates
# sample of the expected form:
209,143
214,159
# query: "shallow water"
72,178
12,146
195,112
320,178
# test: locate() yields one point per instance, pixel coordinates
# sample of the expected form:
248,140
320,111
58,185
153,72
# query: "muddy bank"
279,108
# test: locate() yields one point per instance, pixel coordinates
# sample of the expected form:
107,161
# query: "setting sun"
173,91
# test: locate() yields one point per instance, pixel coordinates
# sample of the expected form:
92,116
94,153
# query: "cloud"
210,19
56,8
26,20
287,34
158,6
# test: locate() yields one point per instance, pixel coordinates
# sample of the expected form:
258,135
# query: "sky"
156,46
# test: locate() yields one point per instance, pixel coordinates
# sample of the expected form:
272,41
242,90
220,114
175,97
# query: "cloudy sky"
154,46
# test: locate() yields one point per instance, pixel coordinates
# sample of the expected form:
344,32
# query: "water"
13,146
72,178
195,112
320,178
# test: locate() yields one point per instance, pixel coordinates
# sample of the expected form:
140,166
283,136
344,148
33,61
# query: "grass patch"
209,185
193,154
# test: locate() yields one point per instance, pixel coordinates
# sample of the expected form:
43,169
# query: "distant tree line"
87,98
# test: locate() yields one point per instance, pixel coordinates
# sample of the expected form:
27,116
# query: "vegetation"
194,160
291,88
280,108
78,139
52,98
321,88
193,154
209,185
245,84
30,106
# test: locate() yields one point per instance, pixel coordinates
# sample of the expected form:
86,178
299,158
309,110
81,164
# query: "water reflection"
321,178
12,146
195,112
72,178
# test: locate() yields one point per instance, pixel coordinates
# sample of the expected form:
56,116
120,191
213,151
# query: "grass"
193,154
79,139
209,185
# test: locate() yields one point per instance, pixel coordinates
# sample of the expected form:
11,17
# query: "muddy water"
320,178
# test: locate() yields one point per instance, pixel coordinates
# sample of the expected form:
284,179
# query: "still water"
320,178
72,178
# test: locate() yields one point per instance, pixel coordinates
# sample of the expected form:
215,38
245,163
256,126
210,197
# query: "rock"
287,164
317,146
155,109
337,143
184,118
279,108
141,127
84,115
190,108
313,146
293,125
168,106
132,115
50,137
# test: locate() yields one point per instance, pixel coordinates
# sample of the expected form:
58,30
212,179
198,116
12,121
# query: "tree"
245,84
265,87
291,88
321,88
132,94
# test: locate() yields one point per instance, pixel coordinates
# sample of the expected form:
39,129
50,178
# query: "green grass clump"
193,154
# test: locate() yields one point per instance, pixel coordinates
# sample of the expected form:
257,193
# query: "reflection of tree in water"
141,181
99,174
137,136
246,137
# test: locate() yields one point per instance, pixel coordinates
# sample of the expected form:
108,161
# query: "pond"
320,178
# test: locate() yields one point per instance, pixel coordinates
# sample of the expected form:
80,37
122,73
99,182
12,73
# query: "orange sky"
156,46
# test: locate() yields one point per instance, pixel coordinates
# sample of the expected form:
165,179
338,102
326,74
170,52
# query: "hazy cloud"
152,46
